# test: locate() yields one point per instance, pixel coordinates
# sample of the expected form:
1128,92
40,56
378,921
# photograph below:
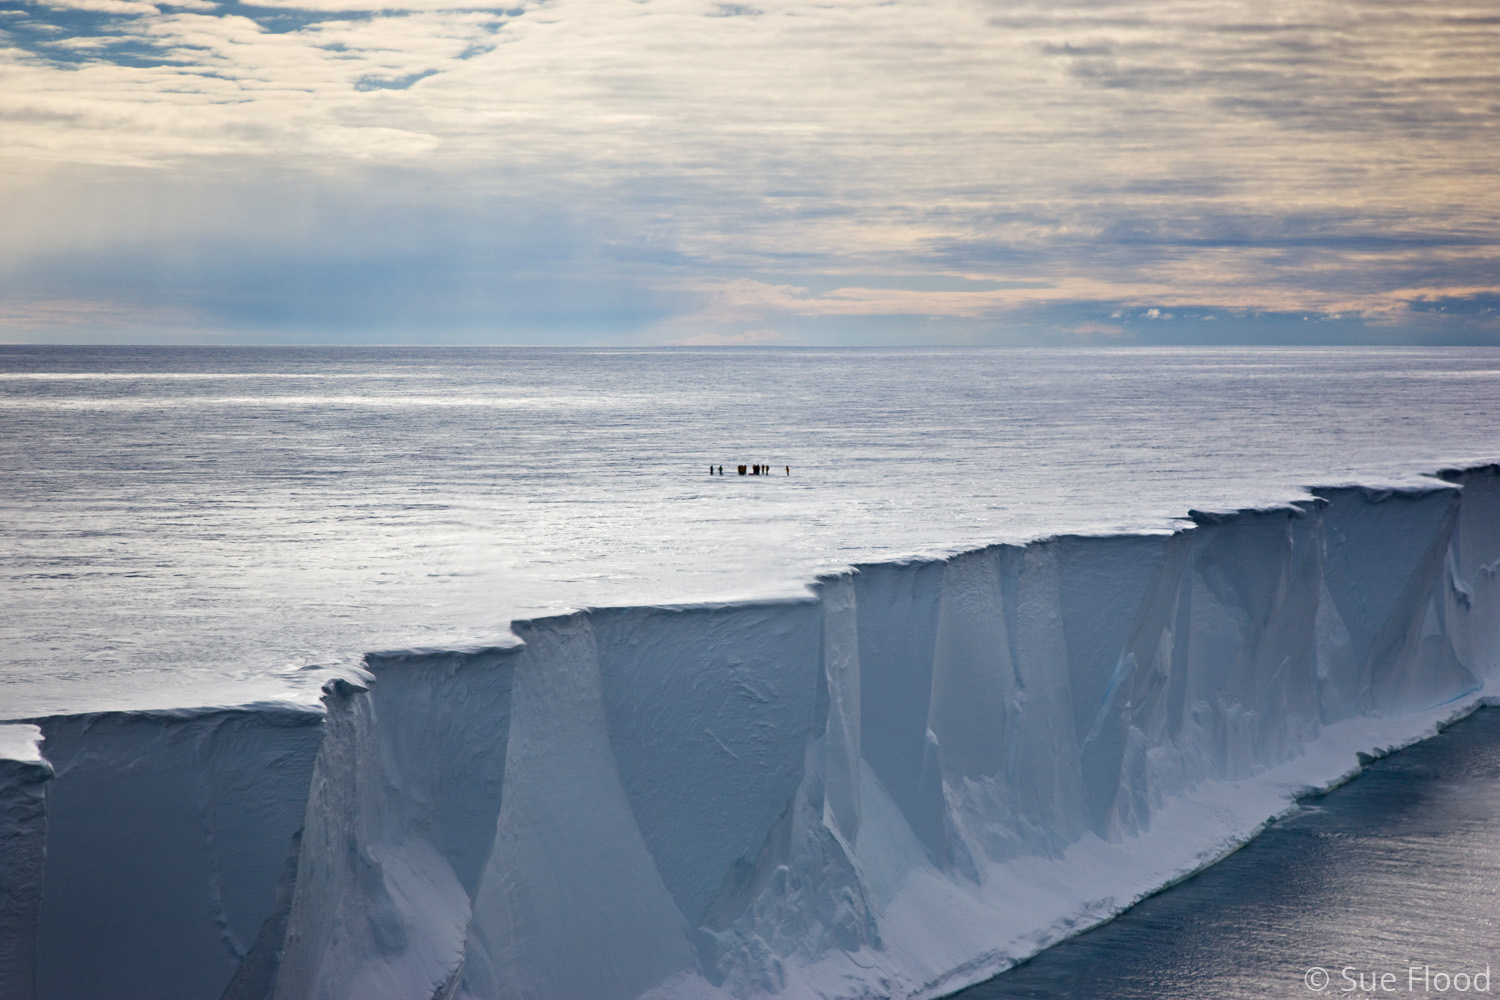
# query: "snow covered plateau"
920,773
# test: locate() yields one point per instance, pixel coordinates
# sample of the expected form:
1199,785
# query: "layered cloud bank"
898,787
688,170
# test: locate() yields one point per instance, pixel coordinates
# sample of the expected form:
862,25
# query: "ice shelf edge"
925,771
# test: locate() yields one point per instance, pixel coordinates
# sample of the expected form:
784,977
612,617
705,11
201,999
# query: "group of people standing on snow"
753,470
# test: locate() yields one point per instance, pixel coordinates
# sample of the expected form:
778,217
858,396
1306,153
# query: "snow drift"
901,785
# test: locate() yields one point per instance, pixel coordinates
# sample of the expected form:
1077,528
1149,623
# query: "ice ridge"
920,774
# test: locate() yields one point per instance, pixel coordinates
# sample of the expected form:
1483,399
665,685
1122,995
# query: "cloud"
30,315
1244,156
129,8
294,256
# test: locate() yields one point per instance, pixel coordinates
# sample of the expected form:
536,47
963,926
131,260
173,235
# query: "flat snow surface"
201,526
20,742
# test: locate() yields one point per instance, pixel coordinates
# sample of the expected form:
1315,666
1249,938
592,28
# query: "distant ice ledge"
922,773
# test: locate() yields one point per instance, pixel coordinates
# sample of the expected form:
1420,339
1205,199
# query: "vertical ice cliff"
1468,616
399,822
918,775
166,833
596,880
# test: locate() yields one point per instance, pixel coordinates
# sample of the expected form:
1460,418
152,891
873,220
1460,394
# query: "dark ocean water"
1387,886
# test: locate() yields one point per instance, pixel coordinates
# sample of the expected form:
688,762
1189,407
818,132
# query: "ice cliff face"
165,836
897,787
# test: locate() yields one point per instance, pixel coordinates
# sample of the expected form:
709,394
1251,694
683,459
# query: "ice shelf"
903,784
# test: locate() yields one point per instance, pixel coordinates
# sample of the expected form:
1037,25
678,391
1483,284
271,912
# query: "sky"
766,172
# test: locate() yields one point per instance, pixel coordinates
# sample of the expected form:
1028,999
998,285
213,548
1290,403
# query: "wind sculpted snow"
917,776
